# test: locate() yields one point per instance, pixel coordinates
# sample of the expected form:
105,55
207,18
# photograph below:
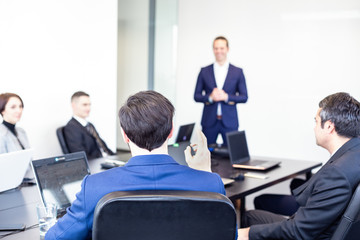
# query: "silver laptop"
176,151
13,166
239,153
59,178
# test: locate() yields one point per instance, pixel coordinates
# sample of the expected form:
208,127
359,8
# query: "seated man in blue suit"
146,125
81,135
220,86
325,196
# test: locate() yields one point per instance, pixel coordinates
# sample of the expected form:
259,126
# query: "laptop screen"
59,178
13,166
185,132
238,149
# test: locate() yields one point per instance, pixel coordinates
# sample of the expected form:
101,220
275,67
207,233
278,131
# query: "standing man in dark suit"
220,86
325,196
81,135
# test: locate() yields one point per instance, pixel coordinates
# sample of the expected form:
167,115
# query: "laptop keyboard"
256,162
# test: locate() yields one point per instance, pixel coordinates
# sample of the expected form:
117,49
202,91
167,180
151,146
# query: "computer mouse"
237,176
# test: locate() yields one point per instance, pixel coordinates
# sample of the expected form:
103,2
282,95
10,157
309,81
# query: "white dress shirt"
220,73
81,120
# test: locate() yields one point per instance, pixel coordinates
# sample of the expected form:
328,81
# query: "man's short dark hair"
4,99
343,111
146,118
222,38
79,94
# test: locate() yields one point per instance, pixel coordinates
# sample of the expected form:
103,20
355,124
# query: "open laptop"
13,166
59,178
176,151
185,132
239,153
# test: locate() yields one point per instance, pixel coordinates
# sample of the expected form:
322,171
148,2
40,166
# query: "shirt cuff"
210,100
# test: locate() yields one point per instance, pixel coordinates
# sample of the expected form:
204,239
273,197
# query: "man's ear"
125,137
329,126
172,132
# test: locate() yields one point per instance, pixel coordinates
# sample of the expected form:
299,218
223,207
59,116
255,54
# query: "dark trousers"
255,217
278,203
212,132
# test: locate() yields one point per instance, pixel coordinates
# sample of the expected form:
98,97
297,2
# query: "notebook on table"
59,178
13,166
239,153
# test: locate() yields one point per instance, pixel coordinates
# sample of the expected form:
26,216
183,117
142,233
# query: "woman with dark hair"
12,138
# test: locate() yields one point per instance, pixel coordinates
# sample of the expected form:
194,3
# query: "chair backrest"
62,141
349,226
160,215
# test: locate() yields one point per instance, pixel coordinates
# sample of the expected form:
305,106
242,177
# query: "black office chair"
164,215
349,226
62,141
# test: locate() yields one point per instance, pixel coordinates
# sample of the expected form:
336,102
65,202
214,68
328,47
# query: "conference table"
19,205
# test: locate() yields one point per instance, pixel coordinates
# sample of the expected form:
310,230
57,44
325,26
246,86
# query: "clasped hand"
218,95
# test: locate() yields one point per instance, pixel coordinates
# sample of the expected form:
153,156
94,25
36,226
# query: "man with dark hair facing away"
146,125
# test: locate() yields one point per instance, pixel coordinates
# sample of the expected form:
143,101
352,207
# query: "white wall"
293,53
50,49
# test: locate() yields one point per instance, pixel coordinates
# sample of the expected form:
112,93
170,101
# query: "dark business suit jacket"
78,139
322,199
234,86
143,172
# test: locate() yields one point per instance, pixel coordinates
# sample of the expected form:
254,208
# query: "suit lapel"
227,79
211,76
82,127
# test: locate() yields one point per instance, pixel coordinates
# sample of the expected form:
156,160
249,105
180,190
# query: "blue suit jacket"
234,86
149,172
322,199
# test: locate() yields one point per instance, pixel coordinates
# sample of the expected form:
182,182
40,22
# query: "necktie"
91,129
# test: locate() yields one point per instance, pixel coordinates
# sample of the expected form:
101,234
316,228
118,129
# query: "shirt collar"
225,65
152,159
345,147
81,120
10,126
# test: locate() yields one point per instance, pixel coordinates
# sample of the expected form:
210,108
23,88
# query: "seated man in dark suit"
146,121
325,196
81,135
